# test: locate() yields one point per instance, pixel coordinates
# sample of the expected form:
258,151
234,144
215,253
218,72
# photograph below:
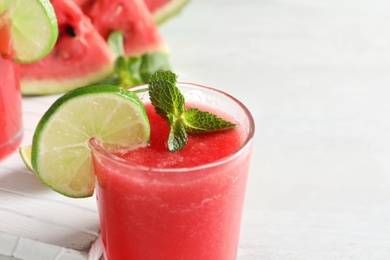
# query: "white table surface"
316,76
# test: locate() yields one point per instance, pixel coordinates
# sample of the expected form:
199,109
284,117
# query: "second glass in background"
10,108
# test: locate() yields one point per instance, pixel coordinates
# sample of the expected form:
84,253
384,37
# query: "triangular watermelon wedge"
80,57
163,10
132,17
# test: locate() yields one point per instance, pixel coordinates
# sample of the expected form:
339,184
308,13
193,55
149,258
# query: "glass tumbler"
175,213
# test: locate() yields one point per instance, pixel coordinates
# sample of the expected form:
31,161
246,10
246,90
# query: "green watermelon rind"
30,87
168,11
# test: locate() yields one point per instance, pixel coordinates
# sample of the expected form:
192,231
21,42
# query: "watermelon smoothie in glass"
156,204
10,104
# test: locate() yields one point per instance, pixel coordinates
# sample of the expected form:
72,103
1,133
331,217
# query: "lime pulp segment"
60,152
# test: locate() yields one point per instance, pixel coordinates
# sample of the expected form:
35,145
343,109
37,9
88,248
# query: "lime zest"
169,103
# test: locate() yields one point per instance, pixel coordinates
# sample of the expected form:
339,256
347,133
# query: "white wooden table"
316,75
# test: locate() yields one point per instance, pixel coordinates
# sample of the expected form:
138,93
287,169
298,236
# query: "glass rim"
95,145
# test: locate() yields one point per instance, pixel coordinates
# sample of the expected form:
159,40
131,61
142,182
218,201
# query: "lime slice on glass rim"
60,155
29,27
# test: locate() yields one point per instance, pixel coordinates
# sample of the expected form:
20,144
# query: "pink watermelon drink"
10,98
156,204
10,108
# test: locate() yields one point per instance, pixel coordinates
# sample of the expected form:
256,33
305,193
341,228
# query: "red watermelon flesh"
82,3
80,57
141,34
153,5
5,36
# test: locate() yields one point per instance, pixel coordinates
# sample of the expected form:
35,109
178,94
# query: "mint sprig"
133,71
169,103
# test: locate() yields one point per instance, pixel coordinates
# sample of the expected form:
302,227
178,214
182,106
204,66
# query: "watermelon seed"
70,31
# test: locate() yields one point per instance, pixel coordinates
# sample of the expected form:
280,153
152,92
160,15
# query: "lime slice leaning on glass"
60,155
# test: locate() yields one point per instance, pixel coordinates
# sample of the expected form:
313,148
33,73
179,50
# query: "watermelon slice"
132,17
80,57
162,10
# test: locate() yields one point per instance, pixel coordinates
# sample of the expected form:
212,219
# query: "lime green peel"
60,155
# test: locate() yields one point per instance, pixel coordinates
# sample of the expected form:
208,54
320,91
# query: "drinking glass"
10,108
175,213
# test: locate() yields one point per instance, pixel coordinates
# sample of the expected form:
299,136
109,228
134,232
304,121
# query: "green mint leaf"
169,102
133,71
151,63
164,95
199,121
115,41
127,71
177,136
